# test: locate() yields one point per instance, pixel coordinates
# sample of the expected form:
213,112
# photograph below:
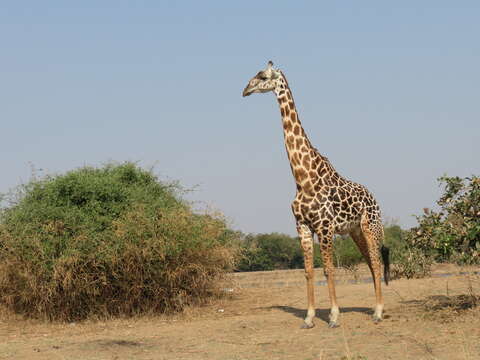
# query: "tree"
453,232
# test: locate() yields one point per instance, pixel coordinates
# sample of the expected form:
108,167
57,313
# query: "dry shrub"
453,302
411,263
153,255
447,308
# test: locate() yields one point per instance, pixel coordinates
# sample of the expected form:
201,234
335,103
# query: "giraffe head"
265,81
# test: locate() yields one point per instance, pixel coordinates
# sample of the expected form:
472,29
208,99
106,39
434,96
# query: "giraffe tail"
385,251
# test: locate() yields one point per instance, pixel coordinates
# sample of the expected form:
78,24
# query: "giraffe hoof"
377,319
307,326
332,324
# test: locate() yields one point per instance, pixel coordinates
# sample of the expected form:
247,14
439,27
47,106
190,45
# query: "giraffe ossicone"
325,203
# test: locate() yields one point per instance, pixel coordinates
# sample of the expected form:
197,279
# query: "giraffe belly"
346,227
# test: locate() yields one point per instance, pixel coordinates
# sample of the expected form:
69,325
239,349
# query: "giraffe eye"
261,76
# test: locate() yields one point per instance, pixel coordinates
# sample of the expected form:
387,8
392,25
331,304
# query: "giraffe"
325,203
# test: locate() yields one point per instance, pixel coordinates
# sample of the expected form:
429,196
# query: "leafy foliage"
406,261
346,253
276,251
272,251
108,241
452,233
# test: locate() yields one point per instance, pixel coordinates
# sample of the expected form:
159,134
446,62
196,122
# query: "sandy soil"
264,323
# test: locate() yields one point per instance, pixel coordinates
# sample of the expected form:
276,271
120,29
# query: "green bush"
273,251
346,253
395,240
406,261
276,251
453,233
411,263
108,241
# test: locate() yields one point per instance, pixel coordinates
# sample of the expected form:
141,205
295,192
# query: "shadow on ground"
108,343
322,314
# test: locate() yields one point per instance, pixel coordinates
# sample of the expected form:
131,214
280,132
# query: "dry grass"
264,323
447,307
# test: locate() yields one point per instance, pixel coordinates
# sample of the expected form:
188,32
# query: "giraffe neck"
305,161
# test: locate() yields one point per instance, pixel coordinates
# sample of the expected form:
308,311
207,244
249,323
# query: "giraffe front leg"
306,241
326,247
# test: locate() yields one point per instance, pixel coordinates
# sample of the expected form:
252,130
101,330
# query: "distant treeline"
275,251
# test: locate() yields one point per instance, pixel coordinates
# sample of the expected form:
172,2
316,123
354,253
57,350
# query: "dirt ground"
420,322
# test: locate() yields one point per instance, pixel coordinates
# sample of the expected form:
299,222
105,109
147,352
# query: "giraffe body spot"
300,174
306,163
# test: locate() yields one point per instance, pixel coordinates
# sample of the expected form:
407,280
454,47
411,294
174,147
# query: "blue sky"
387,91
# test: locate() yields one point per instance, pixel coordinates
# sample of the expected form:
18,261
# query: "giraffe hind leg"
370,240
361,243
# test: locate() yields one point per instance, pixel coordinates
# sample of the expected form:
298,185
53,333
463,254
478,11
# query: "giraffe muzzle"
246,92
